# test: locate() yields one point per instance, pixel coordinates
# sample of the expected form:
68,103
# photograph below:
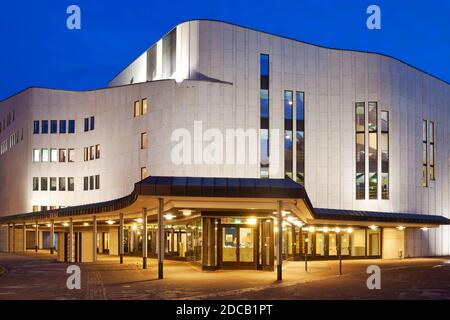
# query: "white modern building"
347,150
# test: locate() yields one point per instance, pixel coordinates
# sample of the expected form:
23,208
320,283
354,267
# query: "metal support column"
24,237
121,231
36,236
52,236
280,241
144,238
160,237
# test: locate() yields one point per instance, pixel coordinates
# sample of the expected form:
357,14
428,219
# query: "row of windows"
370,156
91,182
10,142
10,118
42,126
53,155
45,208
428,139
53,184
140,107
92,152
89,124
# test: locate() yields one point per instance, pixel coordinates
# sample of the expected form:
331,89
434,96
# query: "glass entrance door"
238,247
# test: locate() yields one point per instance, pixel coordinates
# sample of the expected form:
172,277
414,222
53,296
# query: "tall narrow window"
86,183
288,127
62,155
92,123
71,184
44,182
385,155
91,152
373,150
62,184
44,155
300,135
86,124
70,155
53,155
97,151
137,108
432,151
144,173
424,154
36,155
44,126
91,182
35,127
264,115
52,183
360,150
144,106
97,182
144,140
86,153
35,184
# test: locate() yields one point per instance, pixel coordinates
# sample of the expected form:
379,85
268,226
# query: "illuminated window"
144,140
53,155
360,151
288,127
424,154
36,155
97,151
432,152
373,150
86,153
144,106
44,155
264,115
62,155
384,155
91,153
300,135
137,108
71,156
144,173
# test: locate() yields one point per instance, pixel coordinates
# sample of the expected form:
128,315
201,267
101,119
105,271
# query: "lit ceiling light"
401,228
139,220
337,229
251,221
134,227
49,225
65,224
349,230
424,229
85,224
290,219
325,229
169,216
298,223
110,222
372,227
311,229
186,212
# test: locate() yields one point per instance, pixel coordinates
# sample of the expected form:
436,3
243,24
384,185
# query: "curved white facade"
213,76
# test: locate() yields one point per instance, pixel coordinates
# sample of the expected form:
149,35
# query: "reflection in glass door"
246,240
229,247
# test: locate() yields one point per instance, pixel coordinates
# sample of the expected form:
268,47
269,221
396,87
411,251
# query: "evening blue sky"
38,50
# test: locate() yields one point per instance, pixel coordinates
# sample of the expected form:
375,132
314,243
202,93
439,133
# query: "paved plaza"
39,276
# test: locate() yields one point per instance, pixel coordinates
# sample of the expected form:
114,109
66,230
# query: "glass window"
53,126
92,123
384,154
71,183
97,151
432,151
43,208
137,108
71,126
288,139
36,155
86,183
44,126
97,182
144,140
144,173
264,137
264,115
373,150
358,243
424,154
300,135
53,184
144,106
62,155
71,156
62,184
53,155
360,150
35,184
373,242
91,152
44,184
91,182
86,153
44,155
35,208
62,126
36,127
86,124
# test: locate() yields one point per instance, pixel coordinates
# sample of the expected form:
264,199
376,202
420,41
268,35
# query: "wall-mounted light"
49,225
65,224
251,221
337,229
349,230
134,227
139,220
424,229
110,222
401,228
290,219
85,224
373,227
325,229
311,229
169,216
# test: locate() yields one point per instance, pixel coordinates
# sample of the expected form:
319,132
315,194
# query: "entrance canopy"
221,194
